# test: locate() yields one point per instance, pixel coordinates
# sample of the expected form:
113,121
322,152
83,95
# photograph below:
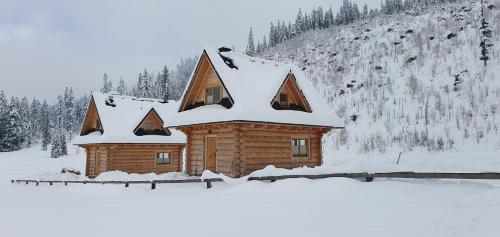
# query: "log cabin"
242,113
129,134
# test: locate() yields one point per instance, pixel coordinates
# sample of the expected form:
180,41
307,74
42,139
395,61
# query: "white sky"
46,46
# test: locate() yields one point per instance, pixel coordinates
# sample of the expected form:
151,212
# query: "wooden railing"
153,183
368,177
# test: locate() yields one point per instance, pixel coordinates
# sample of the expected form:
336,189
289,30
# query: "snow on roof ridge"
119,121
253,87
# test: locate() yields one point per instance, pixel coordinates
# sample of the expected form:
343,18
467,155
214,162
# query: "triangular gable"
295,98
205,76
92,122
151,124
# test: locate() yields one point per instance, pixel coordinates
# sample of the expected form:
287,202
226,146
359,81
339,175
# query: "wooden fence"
153,183
368,177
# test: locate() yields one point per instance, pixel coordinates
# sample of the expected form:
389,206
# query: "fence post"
209,184
65,183
50,183
153,185
36,183
126,184
26,182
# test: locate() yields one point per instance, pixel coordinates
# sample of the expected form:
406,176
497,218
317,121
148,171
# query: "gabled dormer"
151,124
290,96
206,87
92,121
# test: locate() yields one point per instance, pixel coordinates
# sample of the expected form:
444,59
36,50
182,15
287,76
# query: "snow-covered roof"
252,86
119,121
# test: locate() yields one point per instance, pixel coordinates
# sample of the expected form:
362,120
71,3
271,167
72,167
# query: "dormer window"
148,126
283,99
212,95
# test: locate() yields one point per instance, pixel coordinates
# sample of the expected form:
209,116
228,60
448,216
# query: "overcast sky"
48,45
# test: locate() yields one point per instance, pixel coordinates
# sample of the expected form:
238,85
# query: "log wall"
245,147
131,158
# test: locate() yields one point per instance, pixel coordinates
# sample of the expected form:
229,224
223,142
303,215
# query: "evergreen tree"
251,44
122,88
107,85
69,110
164,85
485,37
365,11
139,87
45,125
25,121
35,119
272,36
11,136
264,43
299,22
59,147
4,122
148,88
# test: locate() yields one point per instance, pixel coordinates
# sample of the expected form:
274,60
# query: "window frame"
307,148
146,123
212,89
163,152
281,102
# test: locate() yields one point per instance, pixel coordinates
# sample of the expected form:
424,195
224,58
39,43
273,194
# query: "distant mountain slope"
408,80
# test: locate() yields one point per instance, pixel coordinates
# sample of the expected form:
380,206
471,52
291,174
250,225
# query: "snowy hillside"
407,82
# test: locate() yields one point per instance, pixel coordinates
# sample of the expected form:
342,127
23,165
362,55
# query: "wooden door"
211,154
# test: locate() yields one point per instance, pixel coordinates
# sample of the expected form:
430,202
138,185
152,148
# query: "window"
213,95
300,147
163,158
283,99
148,126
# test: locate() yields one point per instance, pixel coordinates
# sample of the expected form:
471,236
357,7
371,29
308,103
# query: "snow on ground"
295,207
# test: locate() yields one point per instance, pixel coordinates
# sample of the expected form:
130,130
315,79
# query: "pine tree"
45,125
35,118
107,85
4,121
299,22
148,88
365,11
68,109
164,85
139,87
122,88
59,147
251,44
264,43
485,37
272,35
12,137
25,121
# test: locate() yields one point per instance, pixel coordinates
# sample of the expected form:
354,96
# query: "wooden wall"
245,147
196,148
131,158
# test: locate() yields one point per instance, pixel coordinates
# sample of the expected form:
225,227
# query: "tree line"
165,84
24,123
318,18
